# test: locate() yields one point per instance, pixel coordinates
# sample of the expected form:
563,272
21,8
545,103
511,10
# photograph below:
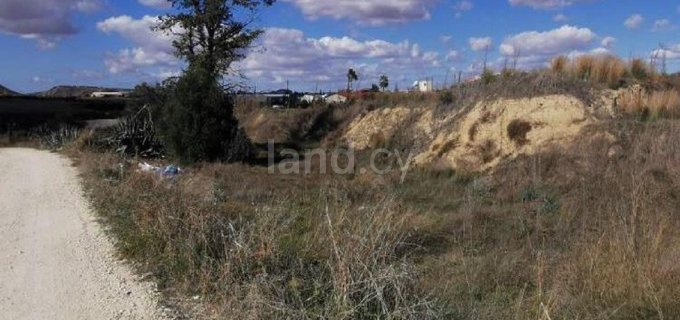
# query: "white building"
423,86
310,98
335,98
117,94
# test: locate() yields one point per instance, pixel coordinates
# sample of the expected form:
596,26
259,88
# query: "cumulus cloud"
367,12
462,6
669,52
634,21
546,4
663,25
535,48
46,21
479,44
152,49
608,42
158,4
287,54
454,56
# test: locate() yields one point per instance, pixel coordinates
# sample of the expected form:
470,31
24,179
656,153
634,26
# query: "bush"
517,131
446,97
488,76
198,123
639,69
135,135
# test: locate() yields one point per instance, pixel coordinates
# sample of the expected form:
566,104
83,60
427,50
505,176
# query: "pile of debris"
164,172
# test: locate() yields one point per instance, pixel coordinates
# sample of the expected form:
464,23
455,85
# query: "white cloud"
462,6
152,49
367,12
479,44
634,21
560,18
663,25
534,49
45,21
608,42
454,56
548,43
287,54
669,52
158,4
546,4
39,79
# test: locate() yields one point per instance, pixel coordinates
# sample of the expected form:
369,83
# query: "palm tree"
384,82
351,76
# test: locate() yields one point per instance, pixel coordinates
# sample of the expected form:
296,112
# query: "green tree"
351,77
384,82
208,32
197,121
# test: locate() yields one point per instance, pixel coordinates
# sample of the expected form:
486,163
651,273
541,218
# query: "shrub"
55,139
488,76
136,135
517,131
639,69
198,123
446,97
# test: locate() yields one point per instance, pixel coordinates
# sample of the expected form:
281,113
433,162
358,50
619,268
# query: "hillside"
73,91
7,92
527,195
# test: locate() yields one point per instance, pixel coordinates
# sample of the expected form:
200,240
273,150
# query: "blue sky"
311,43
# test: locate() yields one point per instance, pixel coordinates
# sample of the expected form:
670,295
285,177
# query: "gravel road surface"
55,260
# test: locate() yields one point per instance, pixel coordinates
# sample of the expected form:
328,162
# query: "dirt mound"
378,127
503,129
480,137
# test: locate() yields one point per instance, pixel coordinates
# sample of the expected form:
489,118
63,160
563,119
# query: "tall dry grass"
609,70
651,105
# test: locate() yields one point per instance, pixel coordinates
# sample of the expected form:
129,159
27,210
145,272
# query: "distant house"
310,98
423,86
116,94
335,98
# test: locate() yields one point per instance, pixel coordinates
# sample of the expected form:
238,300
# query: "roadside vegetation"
586,231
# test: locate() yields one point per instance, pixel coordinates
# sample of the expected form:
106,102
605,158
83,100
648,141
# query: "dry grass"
584,234
515,85
606,70
263,246
652,105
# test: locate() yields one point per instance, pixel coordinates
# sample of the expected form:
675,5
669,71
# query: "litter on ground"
166,172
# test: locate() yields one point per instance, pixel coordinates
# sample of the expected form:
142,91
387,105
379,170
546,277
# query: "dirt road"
55,260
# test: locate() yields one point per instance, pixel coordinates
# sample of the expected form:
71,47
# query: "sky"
310,44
